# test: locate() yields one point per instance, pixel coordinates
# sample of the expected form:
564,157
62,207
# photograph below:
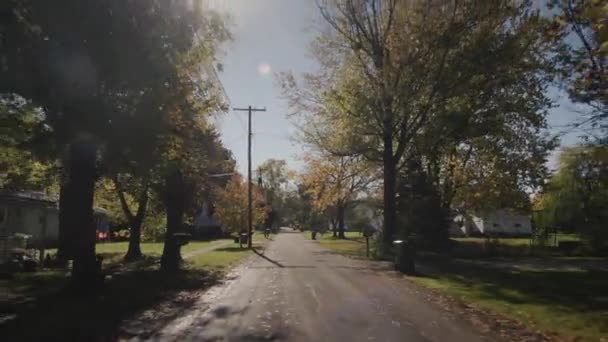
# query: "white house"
501,222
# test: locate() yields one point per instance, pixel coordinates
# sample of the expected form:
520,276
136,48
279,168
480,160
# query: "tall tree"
390,69
334,183
71,61
272,177
576,197
232,204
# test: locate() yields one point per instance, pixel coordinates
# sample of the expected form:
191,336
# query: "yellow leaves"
330,180
232,206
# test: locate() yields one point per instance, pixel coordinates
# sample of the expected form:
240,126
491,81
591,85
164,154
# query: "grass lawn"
353,245
474,247
113,252
525,241
502,241
571,304
44,299
220,259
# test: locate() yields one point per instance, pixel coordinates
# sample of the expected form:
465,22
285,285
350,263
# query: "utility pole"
249,189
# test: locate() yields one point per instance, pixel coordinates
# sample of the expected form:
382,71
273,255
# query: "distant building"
501,222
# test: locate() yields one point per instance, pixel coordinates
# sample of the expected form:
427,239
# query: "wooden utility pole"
249,183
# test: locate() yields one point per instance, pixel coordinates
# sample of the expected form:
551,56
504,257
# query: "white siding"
476,225
507,222
504,222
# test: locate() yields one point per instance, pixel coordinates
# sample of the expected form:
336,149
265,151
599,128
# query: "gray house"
37,215
29,213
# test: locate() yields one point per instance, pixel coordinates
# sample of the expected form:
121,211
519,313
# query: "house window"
17,212
496,225
517,225
42,219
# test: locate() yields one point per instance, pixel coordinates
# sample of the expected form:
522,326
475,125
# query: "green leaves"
459,86
576,196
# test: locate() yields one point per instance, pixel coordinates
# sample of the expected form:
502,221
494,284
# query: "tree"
576,197
71,61
579,26
392,69
272,178
22,169
232,207
334,183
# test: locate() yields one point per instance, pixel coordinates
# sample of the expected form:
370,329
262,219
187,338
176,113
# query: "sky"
271,36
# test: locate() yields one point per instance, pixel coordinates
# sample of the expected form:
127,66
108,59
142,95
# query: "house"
500,222
30,213
37,215
205,225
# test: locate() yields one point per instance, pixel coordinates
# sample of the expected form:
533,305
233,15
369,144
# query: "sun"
264,69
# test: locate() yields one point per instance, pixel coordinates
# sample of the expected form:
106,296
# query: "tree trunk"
341,211
79,208
389,198
63,252
134,250
174,202
135,221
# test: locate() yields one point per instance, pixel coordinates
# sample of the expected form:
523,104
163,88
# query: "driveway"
298,291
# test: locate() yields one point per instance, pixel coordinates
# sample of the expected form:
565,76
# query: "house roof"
38,199
28,198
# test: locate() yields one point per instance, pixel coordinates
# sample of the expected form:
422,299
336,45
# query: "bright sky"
271,36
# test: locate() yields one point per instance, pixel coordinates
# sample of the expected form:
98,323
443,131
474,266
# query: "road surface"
298,291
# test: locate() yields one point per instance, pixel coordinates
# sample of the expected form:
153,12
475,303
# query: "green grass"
571,304
474,247
501,241
220,259
42,297
113,252
353,245
99,316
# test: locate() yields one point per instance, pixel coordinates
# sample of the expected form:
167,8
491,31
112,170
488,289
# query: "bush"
120,235
154,233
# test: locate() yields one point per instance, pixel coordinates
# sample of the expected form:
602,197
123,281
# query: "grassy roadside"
222,259
570,304
113,252
42,298
352,246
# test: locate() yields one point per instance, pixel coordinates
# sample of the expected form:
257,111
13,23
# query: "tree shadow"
99,316
268,259
230,249
579,291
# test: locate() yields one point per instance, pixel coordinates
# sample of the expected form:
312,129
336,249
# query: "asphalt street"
298,291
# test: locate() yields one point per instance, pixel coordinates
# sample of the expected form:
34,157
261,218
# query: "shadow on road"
268,259
276,263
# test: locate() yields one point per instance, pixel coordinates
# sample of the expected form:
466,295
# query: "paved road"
298,291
